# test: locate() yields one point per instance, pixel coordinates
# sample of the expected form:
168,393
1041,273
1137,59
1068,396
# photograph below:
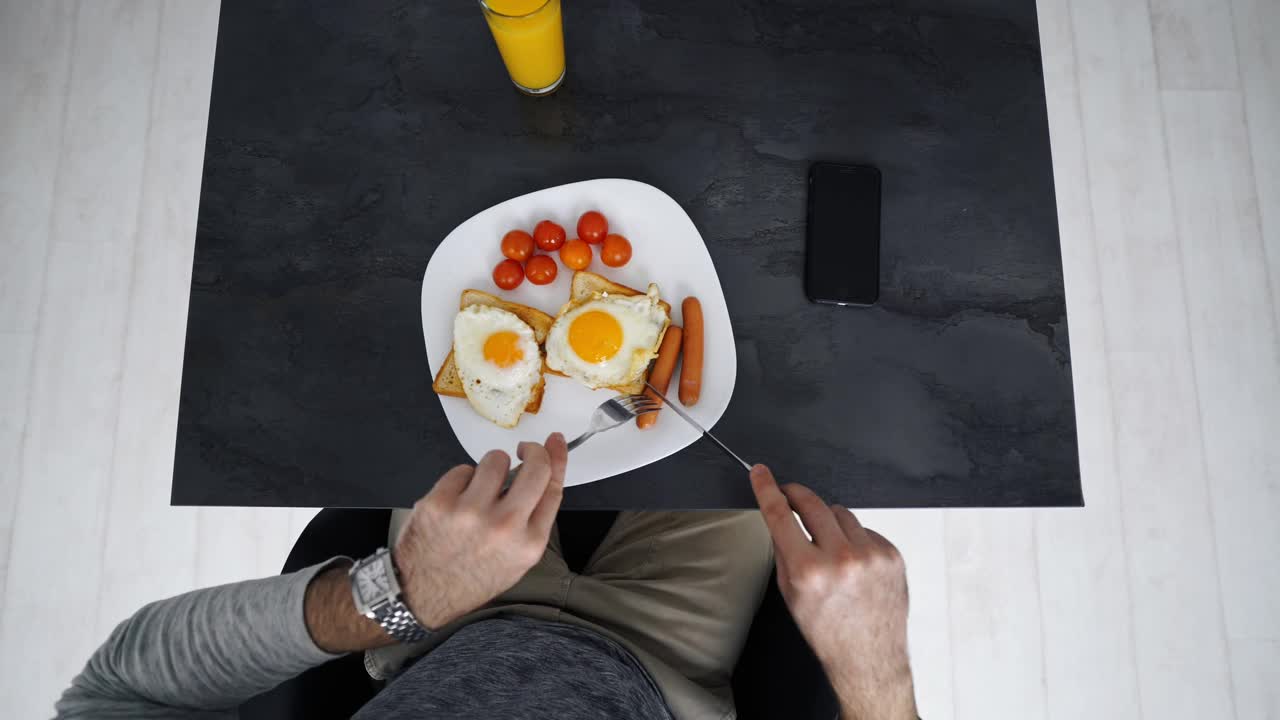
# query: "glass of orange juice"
530,39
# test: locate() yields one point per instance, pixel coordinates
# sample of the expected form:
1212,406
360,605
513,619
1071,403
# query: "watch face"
372,582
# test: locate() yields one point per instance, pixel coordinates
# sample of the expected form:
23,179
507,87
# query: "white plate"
667,250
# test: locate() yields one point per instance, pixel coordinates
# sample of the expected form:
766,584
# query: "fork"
610,414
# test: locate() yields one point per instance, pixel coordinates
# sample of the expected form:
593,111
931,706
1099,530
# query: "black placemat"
346,139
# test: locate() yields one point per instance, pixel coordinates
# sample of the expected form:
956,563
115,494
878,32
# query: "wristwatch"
375,587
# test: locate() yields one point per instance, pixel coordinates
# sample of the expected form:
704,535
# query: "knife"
695,424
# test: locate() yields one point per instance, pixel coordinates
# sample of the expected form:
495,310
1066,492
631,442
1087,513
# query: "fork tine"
640,404
634,400
623,401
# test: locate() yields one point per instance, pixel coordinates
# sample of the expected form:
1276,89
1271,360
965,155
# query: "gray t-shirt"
516,667
202,654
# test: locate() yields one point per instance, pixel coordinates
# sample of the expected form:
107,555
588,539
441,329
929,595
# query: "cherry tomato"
541,269
517,245
508,275
576,254
548,235
592,227
616,251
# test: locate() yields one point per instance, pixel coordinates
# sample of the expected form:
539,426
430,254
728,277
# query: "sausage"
691,371
663,368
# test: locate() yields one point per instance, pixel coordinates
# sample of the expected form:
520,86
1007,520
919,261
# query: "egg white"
642,320
499,394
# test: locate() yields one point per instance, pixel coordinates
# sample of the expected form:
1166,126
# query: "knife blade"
695,424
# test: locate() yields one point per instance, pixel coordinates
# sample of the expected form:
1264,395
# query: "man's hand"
847,590
465,543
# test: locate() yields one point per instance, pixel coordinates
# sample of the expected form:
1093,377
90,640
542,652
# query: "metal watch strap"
389,611
398,622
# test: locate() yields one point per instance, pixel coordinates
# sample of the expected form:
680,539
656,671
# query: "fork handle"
581,438
511,474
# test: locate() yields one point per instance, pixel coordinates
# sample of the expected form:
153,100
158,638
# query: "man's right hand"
466,542
847,590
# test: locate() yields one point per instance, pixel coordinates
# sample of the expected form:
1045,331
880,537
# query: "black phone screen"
842,254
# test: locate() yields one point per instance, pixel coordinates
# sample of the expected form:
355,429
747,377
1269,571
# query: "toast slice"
586,284
449,383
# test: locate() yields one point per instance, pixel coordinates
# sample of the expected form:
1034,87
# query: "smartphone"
842,236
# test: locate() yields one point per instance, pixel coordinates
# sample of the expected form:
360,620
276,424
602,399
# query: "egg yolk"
595,336
503,349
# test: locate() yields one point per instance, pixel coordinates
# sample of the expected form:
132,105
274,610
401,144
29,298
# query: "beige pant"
678,589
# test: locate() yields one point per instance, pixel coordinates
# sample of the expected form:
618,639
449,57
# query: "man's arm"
204,653
847,590
207,650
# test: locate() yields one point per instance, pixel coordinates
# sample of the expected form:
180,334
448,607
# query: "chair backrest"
777,675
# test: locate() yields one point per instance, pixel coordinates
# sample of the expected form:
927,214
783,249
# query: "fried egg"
607,340
498,360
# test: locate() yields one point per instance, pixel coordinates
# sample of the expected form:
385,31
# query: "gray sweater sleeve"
201,654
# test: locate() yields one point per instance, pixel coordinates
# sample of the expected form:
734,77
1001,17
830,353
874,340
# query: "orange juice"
530,40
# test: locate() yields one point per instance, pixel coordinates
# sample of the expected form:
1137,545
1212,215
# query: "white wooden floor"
1159,600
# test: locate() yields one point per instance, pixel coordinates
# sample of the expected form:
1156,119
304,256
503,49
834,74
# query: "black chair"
776,677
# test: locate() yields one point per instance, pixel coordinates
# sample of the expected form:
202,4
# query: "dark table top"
347,139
